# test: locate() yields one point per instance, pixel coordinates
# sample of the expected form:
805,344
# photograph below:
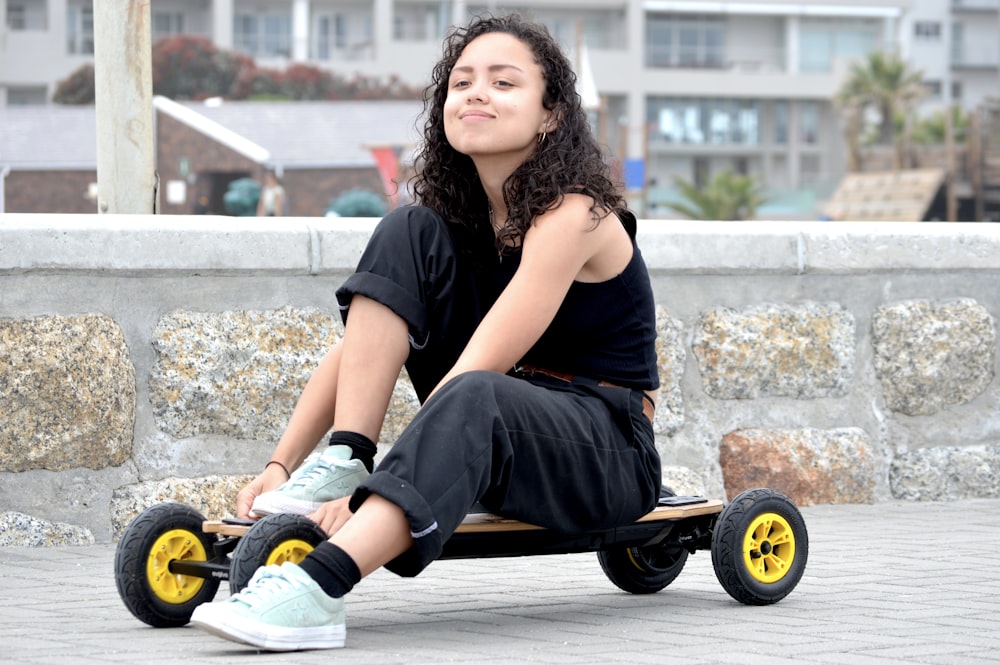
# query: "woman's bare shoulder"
572,208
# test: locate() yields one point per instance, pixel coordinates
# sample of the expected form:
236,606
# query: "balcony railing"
975,5
982,58
753,60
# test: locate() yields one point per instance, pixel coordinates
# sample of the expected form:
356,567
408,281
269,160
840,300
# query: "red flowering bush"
192,67
78,88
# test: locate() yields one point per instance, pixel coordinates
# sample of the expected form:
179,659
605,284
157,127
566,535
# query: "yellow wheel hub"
769,548
174,545
292,550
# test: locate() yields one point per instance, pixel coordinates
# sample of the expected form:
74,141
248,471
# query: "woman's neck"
493,172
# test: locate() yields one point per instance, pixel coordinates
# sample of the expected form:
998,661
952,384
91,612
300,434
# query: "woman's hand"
332,515
272,476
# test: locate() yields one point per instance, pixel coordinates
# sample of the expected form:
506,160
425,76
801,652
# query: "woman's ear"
550,123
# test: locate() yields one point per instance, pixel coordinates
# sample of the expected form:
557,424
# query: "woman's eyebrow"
492,68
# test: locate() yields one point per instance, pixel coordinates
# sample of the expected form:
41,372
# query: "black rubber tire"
643,569
760,547
274,539
144,544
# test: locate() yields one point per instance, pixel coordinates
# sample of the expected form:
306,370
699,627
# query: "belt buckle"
531,370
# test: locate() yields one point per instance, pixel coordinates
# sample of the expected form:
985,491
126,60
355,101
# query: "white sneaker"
321,478
281,609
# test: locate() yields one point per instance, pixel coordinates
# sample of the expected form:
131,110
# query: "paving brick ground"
886,584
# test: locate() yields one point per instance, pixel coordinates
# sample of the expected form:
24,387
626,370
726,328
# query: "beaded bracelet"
283,467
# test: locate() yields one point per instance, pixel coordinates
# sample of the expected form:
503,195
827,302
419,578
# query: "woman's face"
494,103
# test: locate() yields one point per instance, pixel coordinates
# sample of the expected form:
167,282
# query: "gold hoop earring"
541,137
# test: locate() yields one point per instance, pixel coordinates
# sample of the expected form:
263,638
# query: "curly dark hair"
568,160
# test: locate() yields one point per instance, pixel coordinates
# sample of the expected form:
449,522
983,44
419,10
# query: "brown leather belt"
531,370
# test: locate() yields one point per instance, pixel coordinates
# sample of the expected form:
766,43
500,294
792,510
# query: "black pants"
567,456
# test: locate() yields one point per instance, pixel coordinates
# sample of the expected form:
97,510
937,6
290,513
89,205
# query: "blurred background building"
684,88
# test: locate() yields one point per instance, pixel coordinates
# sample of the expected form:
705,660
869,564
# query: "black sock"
332,568
361,446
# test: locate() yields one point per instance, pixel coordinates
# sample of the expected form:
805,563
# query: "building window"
166,24
809,123
245,33
343,36
747,124
702,168
706,121
80,28
420,22
603,29
340,31
659,44
32,95
277,36
927,31
956,91
263,35
27,15
321,47
824,42
781,123
933,88
810,169
685,41
957,44
16,19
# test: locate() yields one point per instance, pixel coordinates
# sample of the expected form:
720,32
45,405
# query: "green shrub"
241,197
358,203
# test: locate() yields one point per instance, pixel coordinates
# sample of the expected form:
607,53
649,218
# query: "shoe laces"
318,470
267,584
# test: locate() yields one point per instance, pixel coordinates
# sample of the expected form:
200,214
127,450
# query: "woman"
272,197
519,303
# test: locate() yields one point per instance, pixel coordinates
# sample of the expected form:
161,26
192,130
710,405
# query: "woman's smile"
474,116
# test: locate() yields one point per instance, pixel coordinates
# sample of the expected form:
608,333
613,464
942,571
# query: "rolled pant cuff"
428,541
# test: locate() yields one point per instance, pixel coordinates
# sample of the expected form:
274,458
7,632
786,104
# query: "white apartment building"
956,43
689,88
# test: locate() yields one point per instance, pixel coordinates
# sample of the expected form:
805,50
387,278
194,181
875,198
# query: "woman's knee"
473,385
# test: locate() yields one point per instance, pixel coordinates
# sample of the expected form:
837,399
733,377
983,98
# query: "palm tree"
933,129
728,197
849,99
886,83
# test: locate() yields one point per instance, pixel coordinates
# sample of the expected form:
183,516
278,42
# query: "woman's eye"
504,84
459,84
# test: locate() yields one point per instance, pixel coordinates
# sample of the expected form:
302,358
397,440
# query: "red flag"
387,161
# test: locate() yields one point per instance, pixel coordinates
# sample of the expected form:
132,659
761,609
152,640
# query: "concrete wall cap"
187,244
180,244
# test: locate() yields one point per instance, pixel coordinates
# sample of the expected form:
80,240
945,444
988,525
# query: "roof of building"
280,134
886,196
48,137
327,134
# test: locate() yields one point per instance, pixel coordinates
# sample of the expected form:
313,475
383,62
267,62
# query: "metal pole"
4,172
123,82
950,175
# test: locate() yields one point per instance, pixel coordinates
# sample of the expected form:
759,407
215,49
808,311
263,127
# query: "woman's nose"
476,94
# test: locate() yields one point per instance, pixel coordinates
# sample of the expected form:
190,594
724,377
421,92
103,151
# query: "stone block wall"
145,359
